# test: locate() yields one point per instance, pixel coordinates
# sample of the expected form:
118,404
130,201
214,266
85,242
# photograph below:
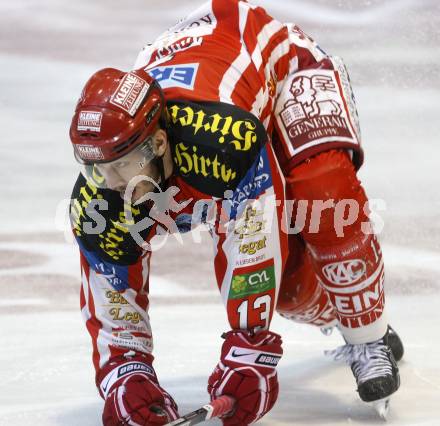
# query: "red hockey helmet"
117,112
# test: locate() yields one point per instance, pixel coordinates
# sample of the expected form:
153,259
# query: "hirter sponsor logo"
89,121
130,93
345,273
87,152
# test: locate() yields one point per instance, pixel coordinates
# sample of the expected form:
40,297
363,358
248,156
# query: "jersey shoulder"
101,224
214,144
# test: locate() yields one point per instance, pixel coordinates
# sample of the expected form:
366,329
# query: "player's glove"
246,372
133,396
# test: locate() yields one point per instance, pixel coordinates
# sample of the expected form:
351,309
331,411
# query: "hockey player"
234,120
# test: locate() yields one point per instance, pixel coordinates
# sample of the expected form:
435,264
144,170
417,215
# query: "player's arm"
250,257
114,305
315,110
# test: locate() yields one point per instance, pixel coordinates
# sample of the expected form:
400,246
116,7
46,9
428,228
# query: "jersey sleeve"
114,273
226,51
316,109
250,245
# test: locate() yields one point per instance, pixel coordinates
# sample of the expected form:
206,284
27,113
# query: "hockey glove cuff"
247,373
133,395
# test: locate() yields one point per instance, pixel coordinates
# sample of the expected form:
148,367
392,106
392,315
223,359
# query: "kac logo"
345,273
183,75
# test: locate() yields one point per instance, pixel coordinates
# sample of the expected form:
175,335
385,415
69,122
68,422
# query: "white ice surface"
47,51
47,378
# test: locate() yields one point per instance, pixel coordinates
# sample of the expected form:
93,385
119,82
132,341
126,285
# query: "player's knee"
329,196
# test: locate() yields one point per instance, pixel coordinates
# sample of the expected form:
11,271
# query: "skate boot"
375,370
394,341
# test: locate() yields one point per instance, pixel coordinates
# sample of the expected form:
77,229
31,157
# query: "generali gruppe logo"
345,273
130,93
315,111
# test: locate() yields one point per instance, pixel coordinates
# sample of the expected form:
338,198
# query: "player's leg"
346,259
348,262
301,298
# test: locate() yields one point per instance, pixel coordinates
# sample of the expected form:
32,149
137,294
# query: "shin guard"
346,255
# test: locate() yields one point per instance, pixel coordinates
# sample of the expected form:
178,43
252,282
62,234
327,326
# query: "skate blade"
382,407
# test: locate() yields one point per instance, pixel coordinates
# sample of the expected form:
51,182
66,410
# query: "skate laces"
368,360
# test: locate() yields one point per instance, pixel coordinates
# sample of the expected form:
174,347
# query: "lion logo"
311,97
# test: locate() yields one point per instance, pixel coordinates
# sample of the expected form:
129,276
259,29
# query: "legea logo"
345,273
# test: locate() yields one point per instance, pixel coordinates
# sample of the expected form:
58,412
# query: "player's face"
119,173
135,174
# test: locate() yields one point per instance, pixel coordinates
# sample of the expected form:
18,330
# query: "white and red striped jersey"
233,63
233,52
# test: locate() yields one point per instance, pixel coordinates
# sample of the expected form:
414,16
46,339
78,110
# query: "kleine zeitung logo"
87,152
89,121
130,93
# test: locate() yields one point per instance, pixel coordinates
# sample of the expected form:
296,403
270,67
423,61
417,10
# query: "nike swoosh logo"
235,355
104,387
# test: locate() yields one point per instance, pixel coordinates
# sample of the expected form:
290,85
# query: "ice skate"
375,370
382,407
394,341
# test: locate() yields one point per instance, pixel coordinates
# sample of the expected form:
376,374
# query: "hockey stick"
215,408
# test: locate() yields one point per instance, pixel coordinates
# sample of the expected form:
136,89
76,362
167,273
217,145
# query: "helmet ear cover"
117,112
